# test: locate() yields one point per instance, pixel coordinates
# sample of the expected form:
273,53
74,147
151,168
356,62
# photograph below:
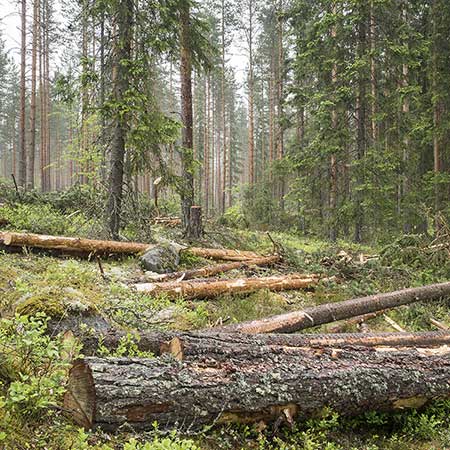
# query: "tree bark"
252,384
121,83
110,247
32,144
213,270
203,343
22,131
211,289
194,228
332,312
187,138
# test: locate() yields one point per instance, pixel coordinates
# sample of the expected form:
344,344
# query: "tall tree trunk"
187,138
251,99
206,145
333,158
437,158
280,93
361,113
22,126
224,131
122,54
32,146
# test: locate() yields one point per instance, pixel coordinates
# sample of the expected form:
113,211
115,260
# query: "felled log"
99,247
223,254
439,325
253,384
210,289
71,244
332,312
210,271
202,344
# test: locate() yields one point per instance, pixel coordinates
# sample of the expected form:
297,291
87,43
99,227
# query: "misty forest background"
338,125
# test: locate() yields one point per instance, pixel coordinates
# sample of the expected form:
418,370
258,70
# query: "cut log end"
80,398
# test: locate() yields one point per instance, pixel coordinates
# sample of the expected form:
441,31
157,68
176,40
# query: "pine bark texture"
332,312
252,384
121,84
211,289
202,343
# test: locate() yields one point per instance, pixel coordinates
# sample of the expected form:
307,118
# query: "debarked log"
332,312
196,344
260,383
211,289
209,271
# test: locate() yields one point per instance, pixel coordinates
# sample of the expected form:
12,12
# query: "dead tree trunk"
211,289
224,254
73,244
197,344
253,384
213,270
332,312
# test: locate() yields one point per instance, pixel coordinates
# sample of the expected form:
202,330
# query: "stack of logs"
244,372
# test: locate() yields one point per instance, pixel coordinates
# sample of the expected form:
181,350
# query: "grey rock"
161,259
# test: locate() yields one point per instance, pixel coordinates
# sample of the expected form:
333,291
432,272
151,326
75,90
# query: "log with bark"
253,384
332,312
210,271
222,254
211,289
99,247
197,344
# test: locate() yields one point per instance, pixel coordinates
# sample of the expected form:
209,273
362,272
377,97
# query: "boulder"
162,259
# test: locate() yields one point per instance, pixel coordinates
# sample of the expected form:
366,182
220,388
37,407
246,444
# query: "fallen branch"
393,324
210,289
332,312
358,320
212,270
252,384
439,325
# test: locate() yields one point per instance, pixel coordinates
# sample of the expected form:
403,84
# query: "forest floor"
32,283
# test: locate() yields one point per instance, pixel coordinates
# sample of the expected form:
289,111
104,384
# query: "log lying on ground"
99,247
211,289
253,384
223,254
210,271
72,244
197,344
332,312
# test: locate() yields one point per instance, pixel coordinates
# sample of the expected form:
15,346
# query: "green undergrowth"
33,366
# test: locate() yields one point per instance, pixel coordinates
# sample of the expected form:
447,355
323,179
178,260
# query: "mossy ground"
32,282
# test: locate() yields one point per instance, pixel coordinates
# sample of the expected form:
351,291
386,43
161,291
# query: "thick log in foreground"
210,271
99,247
196,344
253,384
332,312
211,289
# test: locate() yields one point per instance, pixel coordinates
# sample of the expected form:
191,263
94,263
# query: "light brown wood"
332,312
210,289
209,271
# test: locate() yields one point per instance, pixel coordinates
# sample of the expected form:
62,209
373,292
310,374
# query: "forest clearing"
224,225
